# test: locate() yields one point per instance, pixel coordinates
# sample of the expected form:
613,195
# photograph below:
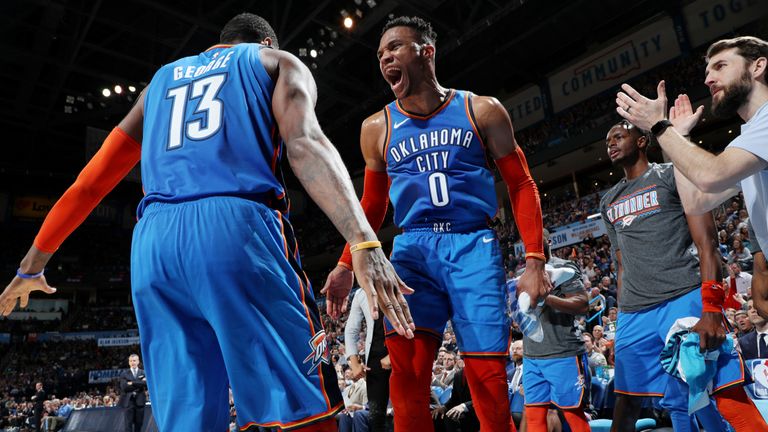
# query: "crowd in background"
64,366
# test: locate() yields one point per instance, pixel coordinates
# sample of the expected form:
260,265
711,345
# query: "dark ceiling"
59,55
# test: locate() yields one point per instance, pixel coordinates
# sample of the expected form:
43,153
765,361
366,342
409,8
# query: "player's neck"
757,99
636,169
426,97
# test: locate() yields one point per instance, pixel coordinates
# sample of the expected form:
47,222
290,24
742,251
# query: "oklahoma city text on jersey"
437,160
641,203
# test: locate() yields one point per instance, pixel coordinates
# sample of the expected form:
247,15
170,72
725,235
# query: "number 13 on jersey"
205,92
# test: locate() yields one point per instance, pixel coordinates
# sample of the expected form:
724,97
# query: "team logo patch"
580,381
636,205
627,220
319,351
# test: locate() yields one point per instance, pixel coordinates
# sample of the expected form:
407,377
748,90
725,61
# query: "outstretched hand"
384,289
336,291
682,115
19,289
638,109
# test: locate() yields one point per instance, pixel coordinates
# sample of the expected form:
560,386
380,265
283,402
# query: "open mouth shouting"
397,80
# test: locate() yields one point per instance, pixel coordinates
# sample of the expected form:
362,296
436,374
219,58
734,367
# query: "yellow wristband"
365,245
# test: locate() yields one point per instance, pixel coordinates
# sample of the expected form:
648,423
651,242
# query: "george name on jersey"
219,62
422,147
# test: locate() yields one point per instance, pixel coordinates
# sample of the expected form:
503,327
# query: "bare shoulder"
372,136
273,60
376,122
486,105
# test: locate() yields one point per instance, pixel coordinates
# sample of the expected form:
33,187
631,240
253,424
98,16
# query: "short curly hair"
249,28
422,27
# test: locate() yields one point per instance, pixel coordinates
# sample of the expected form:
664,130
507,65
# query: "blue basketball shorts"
640,337
457,276
221,301
563,382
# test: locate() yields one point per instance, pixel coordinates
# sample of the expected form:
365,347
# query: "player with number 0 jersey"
430,145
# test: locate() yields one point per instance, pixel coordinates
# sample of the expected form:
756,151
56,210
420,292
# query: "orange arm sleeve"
526,206
374,202
114,160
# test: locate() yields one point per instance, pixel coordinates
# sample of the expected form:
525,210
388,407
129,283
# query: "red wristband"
712,296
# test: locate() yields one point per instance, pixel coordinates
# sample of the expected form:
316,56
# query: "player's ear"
267,42
428,51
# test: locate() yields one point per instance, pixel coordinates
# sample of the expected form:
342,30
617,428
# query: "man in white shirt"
376,358
742,281
736,77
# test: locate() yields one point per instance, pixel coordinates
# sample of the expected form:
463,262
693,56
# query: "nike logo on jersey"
400,123
487,240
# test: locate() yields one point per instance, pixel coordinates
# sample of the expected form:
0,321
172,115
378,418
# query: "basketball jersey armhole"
261,72
387,134
472,119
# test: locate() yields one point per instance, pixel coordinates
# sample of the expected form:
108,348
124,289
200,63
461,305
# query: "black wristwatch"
660,127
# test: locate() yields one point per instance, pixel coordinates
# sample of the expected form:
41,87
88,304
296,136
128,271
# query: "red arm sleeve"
526,206
374,202
114,160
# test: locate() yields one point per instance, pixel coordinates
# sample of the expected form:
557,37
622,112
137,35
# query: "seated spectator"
353,418
458,412
515,382
449,371
609,323
743,324
739,253
738,280
755,344
594,357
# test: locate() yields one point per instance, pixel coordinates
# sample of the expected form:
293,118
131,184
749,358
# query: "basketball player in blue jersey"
431,144
219,294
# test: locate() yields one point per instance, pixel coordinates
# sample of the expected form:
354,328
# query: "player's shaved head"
248,28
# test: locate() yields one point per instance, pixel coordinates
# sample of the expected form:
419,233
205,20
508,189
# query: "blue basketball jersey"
209,130
438,167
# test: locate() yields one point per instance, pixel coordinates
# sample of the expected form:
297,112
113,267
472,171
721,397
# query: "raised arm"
694,200
320,170
114,160
495,129
710,174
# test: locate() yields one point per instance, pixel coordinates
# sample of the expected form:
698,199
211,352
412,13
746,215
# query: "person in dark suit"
39,398
133,385
458,412
755,344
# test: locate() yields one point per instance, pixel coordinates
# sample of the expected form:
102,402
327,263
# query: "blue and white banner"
630,56
103,375
576,233
118,341
571,234
709,19
525,107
